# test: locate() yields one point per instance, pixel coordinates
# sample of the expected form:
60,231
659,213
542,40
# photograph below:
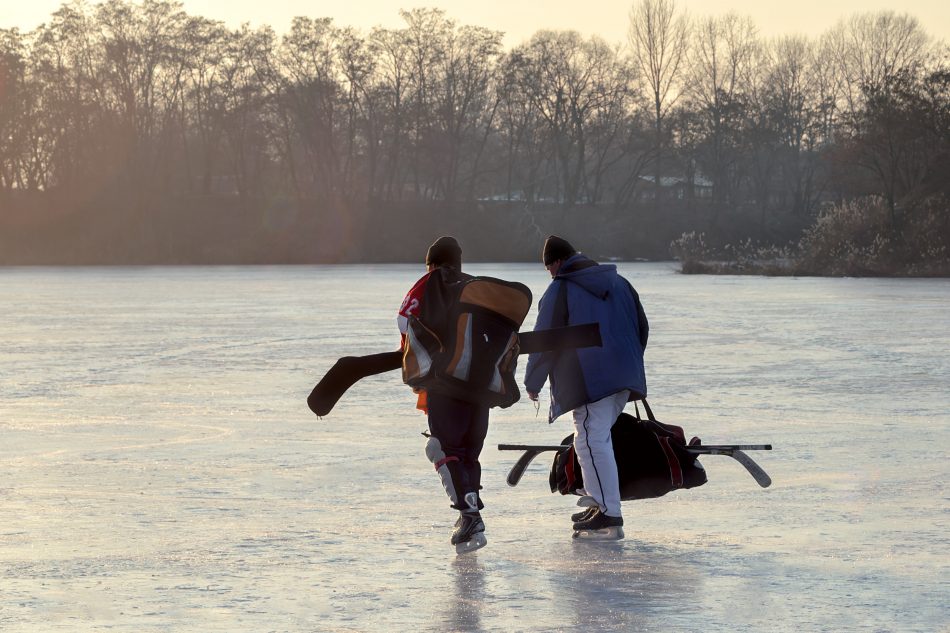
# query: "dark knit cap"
445,250
556,248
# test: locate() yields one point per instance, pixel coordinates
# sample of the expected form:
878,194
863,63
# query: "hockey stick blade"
517,471
761,477
346,372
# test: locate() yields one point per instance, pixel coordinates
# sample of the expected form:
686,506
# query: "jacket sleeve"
643,326
540,363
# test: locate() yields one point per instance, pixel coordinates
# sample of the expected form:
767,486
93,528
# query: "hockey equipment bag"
472,354
651,459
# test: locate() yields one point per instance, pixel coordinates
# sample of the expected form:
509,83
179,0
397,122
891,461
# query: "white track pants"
595,451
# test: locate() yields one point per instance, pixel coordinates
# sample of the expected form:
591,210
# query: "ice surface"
160,471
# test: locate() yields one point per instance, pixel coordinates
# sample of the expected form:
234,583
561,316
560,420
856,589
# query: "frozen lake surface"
160,471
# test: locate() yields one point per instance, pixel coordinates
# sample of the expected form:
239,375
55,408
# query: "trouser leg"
458,431
595,452
473,441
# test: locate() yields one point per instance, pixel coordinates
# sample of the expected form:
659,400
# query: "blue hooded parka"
587,292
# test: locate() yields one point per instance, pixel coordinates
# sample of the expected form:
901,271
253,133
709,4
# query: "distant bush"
745,257
927,236
859,238
850,238
864,237
691,251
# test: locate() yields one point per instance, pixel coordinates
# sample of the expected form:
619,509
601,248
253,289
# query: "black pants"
461,428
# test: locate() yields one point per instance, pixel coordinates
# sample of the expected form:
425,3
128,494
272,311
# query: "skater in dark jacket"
457,427
594,383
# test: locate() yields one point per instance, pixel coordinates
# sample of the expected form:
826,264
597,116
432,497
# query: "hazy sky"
519,19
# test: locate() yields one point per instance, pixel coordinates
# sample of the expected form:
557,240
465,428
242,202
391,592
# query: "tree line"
144,101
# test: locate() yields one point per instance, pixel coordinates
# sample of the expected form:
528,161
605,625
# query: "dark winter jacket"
587,292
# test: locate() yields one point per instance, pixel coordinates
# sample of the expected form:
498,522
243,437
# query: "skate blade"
477,541
606,534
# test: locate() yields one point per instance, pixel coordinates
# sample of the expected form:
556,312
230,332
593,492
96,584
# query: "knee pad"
434,450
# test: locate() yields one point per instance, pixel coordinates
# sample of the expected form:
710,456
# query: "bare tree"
870,49
426,37
357,66
613,128
143,71
205,44
794,103
720,80
312,92
71,138
879,59
577,88
901,135
465,106
520,130
13,106
659,38
390,99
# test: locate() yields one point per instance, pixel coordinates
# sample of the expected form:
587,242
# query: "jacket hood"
597,279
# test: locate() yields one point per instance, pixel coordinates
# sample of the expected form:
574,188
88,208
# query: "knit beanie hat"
445,250
556,248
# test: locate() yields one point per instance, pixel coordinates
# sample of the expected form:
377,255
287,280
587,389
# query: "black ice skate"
599,527
469,534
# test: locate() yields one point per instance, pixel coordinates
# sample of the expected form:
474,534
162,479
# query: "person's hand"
533,396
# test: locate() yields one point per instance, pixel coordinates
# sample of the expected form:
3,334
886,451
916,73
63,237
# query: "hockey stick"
699,449
349,370
731,450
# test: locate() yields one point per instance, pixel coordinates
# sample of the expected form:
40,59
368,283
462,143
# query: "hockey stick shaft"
699,450
540,448
715,448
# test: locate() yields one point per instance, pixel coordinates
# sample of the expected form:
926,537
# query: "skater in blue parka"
594,383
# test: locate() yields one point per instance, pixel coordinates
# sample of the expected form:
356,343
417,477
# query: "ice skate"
477,541
599,527
469,534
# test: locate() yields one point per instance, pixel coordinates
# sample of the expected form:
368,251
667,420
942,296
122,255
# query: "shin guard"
437,456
